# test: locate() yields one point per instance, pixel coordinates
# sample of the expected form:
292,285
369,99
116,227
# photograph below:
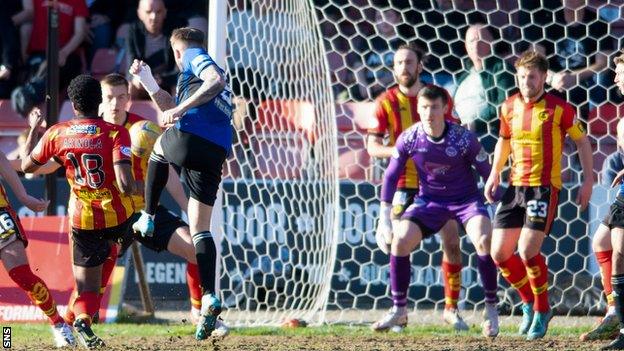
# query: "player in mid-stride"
533,126
198,141
444,154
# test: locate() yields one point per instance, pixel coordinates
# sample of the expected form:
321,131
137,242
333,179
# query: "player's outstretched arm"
11,177
123,175
583,146
376,148
35,119
142,71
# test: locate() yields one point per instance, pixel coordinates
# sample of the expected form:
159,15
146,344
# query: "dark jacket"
162,63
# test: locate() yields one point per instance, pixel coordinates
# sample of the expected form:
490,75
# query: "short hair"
433,92
619,58
413,47
532,59
190,36
85,94
114,80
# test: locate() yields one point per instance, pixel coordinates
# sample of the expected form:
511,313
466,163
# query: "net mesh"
305,75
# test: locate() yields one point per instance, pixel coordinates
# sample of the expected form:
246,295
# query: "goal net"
300,191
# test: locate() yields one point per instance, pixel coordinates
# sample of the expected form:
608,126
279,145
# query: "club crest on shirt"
482,155
542,116
451,151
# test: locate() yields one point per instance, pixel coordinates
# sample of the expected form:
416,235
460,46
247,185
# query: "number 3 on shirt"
537,208
92,163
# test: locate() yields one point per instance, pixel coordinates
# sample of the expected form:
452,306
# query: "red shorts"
10,228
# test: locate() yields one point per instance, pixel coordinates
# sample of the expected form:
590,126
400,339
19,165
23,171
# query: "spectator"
22,19
71,33
106,16
148,41
482,87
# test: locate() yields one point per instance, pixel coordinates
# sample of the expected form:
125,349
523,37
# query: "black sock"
206,254
155,181
618,295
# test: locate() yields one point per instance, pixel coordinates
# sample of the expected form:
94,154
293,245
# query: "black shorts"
165,225
615,218
402,199
90,248
533,207
10,228
201,161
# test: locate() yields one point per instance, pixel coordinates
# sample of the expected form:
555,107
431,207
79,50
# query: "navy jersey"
212,120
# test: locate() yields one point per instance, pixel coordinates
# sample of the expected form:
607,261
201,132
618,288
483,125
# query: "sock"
515,273
538,278
86,305
618,296
107,270
155,181
399,279
194,286
488,275
452,284
206,254
604,259
37,292
70,316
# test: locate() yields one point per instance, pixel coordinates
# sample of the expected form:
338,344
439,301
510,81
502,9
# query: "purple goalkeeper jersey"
444,166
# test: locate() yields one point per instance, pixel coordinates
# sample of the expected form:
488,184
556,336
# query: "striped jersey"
537,131
139,165
394,113
88,148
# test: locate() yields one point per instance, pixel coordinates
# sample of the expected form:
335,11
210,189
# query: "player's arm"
29,165
12,179
375,139
143,73
376,148
394,170
478,157
213,82
175,189
122,161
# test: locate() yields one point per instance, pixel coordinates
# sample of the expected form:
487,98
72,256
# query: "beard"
407,81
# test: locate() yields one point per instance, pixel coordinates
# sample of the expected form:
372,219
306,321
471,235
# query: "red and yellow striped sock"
452,284
538,278
515,273
37,291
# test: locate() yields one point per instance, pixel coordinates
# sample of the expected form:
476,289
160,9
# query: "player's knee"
484,243
499,255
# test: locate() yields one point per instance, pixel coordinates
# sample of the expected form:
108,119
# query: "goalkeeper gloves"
383,235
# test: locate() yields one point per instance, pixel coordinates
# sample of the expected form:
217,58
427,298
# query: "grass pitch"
331,337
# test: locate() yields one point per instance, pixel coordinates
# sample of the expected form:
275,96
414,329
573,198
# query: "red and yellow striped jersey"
4,199
142,142
88,148
394,113
537,131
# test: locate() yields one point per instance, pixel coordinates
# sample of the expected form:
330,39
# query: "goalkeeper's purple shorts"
432,215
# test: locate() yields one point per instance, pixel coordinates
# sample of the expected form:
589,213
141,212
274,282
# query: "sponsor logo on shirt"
89,129
125,150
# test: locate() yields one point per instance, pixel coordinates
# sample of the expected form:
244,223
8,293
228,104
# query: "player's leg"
155,182
479,229
90,248
617,239
608,326
407,236
15,261
451,273
541,209
508,223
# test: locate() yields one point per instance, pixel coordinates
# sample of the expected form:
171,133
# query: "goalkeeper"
198,142
444,154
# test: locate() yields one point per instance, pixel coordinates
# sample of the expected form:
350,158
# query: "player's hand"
34,204
383,234
35,118
491,187
171,116
584,194
143,73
